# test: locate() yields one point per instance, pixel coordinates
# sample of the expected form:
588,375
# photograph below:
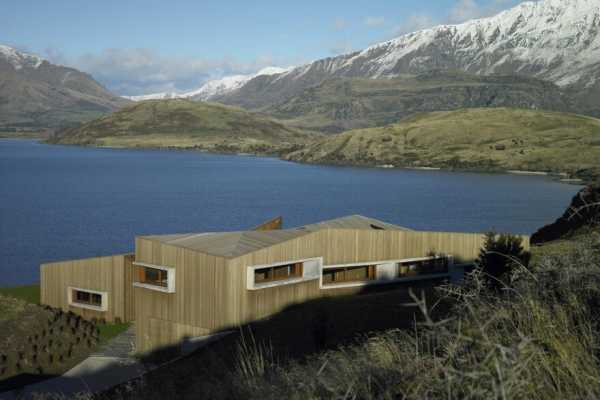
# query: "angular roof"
235,244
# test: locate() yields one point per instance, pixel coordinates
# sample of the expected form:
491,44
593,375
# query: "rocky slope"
473,139
340,104
180,123
37,94
553,40
584,211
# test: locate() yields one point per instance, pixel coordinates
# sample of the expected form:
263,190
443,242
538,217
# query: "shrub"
500,255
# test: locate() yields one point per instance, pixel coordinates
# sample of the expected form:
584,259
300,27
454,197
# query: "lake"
62,202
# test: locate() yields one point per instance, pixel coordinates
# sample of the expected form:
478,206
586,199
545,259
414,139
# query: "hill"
182,123
35,93
470,139
553,40
340,104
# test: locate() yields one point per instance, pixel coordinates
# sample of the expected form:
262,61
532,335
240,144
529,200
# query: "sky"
147,46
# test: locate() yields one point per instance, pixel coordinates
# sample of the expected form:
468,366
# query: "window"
261,277
361,273
92,299
436,265
278,273
85,298
154,277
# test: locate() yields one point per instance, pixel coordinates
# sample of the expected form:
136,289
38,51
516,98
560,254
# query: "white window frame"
385,281
170,278
104,302
306,274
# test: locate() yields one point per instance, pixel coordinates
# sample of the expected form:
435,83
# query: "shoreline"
561,177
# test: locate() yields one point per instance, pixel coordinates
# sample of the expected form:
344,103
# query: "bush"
500,255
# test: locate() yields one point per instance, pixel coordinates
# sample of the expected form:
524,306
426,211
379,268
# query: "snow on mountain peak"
550,39
212,88
19,59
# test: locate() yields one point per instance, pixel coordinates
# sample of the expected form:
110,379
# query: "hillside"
470,139
553,40
182,123
340,104
36,94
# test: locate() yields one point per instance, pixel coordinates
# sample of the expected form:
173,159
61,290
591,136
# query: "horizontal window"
154,277
436,265
87,299
363,273
278,273
383,271
284,273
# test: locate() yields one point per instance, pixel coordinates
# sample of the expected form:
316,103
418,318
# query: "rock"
583,211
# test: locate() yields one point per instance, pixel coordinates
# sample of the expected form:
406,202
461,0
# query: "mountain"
471,139
37,94
339,104
212,88
181,123
553,40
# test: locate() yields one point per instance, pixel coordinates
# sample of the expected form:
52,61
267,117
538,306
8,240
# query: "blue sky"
135,46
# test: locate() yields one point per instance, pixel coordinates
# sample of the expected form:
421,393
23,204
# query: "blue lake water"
62,202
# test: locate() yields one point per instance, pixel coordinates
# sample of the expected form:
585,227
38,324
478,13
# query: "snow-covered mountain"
37,93
212,88
554,40
19,59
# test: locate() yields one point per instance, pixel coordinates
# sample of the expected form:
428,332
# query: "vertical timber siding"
111,274
211,292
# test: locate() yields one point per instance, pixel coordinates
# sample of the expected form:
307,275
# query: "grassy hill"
470,139
186,124
340,104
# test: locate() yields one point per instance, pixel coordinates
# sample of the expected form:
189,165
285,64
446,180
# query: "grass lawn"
109,331
29,293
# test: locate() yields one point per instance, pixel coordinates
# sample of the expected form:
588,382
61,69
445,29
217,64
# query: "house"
190,285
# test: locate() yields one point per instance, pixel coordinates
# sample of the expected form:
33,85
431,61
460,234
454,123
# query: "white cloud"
340,23
143,71
415,23
464,10
341,47
375,21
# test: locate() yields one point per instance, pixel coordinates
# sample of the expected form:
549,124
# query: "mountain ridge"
557,41
36,94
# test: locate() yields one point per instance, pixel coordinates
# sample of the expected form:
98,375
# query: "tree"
499,256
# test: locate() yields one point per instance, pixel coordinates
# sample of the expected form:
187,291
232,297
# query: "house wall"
111,274
211,292
195,309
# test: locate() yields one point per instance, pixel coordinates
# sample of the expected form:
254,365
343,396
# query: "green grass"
484,139
111,330
185,124
340,104
29,293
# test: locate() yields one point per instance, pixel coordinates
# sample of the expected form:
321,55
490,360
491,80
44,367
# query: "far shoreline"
561,177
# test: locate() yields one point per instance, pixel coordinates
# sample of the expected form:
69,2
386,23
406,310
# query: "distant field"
29,293
483,139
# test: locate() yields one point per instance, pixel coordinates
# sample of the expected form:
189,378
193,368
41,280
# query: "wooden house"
190,285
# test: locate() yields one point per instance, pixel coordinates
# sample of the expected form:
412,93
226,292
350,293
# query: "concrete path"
112,365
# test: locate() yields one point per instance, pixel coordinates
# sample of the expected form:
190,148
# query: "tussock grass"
538,339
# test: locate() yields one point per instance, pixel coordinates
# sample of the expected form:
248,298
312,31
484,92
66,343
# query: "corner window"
154,277
435,265
90,299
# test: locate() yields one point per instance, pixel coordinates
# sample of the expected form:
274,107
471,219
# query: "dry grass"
537,340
